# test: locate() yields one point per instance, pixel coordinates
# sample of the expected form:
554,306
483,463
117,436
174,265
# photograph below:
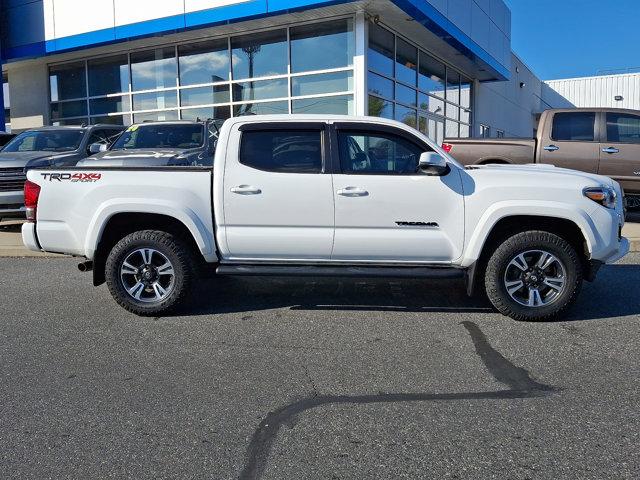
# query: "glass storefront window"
406,62
213,78
259,55
322,83
204,62
204,95
465,92
68,109
380,108
381,50
155,100
405,95
380,86
153,69
264,108
322,46
260,90
451,129
67,81
155,116
453,86
406,116
431,75
338,105
205,113
108,75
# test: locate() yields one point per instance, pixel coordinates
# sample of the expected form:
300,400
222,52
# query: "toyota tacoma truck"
331,196
605,141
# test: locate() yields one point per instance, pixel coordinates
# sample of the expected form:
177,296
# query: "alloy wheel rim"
535,278
147,275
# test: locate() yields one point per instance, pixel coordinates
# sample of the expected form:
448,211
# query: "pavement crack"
314,389
503,370
518,379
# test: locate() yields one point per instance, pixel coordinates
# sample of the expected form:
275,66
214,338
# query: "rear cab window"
574,127
294,150
623,128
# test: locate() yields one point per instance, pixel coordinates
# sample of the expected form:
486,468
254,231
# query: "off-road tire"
521,242
174,248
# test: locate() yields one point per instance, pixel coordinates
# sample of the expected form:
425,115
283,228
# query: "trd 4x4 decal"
72,177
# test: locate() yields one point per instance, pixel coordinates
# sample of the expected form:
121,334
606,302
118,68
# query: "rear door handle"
353,192
551,148
246,190
610,150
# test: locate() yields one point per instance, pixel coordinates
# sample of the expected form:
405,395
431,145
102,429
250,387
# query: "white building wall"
601,91
513,106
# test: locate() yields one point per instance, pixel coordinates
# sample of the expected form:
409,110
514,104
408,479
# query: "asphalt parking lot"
326,379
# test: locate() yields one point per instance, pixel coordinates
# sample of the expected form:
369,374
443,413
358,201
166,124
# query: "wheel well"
122,224
509,226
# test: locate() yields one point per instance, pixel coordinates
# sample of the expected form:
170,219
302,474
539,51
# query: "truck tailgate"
75,203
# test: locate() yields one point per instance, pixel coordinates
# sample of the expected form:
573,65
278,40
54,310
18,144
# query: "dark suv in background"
159,144
47,146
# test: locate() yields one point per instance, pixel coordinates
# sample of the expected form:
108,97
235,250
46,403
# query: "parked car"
42,147
5,138
595,140
334,196
157,144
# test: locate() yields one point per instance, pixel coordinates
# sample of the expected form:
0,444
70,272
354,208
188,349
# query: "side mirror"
97,148
432,163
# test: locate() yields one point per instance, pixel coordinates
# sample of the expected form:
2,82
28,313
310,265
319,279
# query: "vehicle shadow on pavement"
615,293
246,294
10,227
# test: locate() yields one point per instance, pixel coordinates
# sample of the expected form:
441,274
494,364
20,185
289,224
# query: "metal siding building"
614,91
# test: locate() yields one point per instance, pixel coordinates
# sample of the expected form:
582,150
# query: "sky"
575,38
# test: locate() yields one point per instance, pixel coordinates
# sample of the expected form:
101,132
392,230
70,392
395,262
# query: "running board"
340,271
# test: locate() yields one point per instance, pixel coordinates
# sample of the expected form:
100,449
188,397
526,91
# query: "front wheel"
150,272
533,276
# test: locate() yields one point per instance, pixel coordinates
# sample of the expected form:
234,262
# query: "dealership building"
444,67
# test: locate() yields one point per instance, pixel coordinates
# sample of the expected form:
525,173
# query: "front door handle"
353,192
551,148
246,190
610,150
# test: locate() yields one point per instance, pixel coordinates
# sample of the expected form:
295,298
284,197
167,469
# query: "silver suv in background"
44,147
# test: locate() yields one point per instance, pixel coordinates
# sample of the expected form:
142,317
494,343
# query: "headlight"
604,195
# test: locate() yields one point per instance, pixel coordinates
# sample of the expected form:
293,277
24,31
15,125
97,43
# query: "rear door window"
623,128
574,127
294,151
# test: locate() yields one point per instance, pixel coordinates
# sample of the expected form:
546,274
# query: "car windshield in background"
161,136
45,141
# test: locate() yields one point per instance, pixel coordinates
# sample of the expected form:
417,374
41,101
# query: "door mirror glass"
97,148
432,163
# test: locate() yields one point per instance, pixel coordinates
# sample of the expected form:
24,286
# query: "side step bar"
340,271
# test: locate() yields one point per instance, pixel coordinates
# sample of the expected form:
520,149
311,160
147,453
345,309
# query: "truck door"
278,200
620,150
386,211
571,141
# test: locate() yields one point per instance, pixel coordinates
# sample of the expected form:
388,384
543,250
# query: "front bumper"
29,237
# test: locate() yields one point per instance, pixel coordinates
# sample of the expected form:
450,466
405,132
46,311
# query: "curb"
22,252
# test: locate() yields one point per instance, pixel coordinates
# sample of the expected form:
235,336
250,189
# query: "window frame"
596,126
372,129
605,127
320,127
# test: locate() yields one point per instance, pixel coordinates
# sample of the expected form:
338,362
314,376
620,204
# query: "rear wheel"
533,275
150,272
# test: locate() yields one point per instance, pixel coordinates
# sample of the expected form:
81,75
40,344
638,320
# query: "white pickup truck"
331,196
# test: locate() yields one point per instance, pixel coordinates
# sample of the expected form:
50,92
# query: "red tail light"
31,194
447,147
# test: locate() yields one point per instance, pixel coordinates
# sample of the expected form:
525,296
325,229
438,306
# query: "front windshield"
45,141
161,136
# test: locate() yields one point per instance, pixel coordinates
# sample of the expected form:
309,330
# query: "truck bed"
74,200
476,151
